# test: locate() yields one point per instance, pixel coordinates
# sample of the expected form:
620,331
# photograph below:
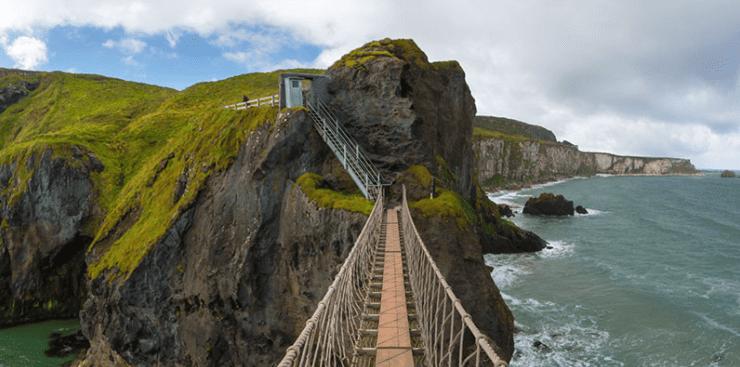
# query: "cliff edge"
510,157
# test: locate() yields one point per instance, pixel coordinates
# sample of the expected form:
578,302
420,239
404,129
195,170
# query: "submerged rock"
542,347
548,204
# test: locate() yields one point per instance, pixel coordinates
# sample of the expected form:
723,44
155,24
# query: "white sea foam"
506,275
717,325
559,249
510,198
575,342
591,212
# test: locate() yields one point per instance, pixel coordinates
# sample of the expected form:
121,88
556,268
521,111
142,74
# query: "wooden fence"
261,102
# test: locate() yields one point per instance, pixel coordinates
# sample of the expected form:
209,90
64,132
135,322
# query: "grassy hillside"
147,137
488,126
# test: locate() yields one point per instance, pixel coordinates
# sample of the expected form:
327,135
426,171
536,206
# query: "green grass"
195,154
146,137
331,199
403,49
422,174
448,205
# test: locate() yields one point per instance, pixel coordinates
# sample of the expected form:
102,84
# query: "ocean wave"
507,269
510,198
559,249
577,341
715,324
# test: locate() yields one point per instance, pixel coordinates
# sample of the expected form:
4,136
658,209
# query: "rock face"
406,111
548,204
503,161
42,267
505,210
581,210
233,282
728,174
15,92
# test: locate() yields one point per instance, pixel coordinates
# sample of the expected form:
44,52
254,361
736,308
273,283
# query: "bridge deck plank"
394,341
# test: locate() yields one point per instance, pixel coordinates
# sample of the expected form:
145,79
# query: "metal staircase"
353,158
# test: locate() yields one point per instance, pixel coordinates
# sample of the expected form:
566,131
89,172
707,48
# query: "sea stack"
548,204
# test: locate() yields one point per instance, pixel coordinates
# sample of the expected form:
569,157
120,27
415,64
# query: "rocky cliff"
207,238
233,281
514,161
48,205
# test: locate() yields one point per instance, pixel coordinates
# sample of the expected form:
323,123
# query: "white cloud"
128,46
27,52
129,60
582,69
172,37
71,70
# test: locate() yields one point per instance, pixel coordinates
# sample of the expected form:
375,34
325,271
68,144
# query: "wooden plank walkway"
394,341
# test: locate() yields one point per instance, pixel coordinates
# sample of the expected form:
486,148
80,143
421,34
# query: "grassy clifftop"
158,145
488,126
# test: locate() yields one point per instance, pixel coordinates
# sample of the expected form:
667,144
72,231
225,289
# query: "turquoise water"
650,277
24,346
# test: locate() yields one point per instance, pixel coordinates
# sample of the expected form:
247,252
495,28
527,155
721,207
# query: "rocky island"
183,233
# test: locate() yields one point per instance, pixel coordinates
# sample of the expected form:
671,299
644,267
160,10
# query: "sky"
644,78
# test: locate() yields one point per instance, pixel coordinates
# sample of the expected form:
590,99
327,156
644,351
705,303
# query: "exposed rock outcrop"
47,202
581,210
548,204
15,92
728,174
505,210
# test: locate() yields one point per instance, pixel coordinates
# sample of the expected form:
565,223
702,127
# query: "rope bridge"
440,331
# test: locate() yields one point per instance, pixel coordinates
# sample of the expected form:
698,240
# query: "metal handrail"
327,339
348,151
448,333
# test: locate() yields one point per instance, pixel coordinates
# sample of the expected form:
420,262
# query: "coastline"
517,186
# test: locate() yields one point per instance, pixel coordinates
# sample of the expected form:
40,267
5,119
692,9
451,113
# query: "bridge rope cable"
447,329
329,335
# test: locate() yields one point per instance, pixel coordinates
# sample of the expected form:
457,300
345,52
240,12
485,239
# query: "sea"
649,277
24,345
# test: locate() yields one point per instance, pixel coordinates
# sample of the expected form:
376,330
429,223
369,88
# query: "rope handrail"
328,337
446,328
